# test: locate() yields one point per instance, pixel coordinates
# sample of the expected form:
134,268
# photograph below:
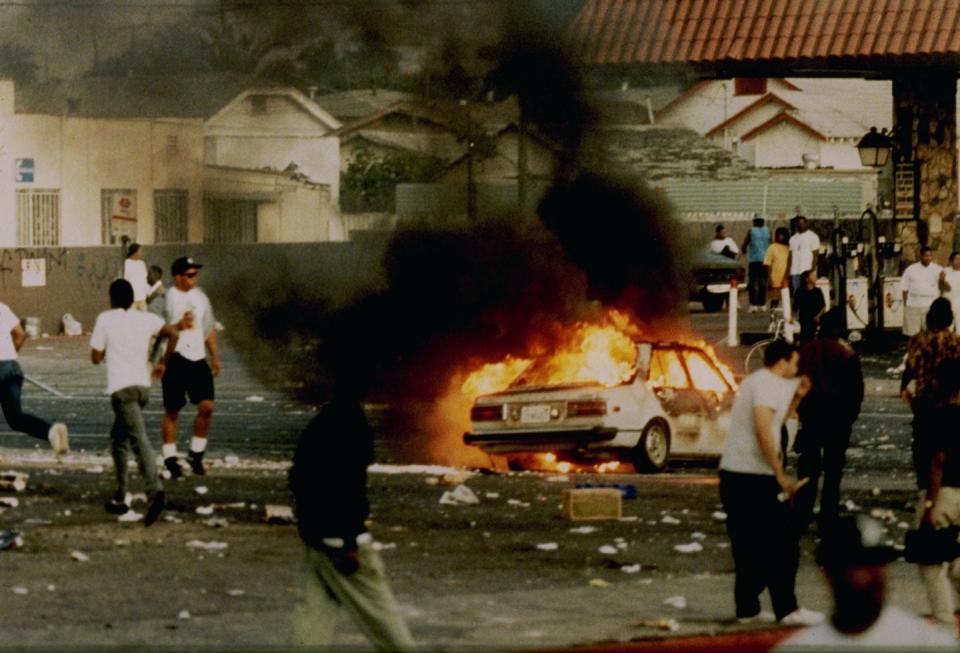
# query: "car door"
670,382
715,393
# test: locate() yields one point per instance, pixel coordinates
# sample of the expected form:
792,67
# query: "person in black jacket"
329,484
827,415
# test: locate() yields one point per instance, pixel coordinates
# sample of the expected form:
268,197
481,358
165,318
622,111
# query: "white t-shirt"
135,272
191,344
922,284
125,336
953,280
717,246
802,247
762,388
894,629
7,323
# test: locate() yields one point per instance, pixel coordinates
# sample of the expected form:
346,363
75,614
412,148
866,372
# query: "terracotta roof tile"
655,31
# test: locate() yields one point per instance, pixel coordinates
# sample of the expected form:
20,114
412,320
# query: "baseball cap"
854,540
183,264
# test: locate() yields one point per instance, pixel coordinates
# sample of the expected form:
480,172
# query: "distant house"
784,123
102,160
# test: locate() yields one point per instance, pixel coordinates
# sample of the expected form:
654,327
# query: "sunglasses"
190,275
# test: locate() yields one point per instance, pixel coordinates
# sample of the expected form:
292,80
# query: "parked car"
675,405
711,275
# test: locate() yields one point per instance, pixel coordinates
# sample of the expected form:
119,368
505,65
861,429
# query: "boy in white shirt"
122,336
12,337
188,373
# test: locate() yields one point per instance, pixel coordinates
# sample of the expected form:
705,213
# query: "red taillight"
586,408
486,413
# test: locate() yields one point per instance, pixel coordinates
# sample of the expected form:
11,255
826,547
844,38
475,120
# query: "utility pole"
471,148
522,189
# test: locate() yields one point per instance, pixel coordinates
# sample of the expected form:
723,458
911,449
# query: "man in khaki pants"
341,567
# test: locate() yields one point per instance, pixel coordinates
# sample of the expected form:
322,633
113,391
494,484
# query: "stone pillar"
925,115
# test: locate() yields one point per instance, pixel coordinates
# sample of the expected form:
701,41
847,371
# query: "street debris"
204,510
130,516
183,615
96,469
51,587
15,481
584,530
236,592
719,515
518,502
592,504
607,549
431,480
231,460
660,624
384,546
9,502
548,546
121,542
460,495
206,546
458,477
599,582
10,539
698,536
216,522
631,569
692,547
254,398
278,514
678,602
492,495
667,519
79,556
557,479
20,590
201,489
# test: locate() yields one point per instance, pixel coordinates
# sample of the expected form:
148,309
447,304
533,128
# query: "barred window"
229,221
170,207
38,217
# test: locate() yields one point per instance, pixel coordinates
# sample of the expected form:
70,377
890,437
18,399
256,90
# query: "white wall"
782,146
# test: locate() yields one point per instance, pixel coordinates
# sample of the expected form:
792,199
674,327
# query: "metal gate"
170,209
229,221
38,218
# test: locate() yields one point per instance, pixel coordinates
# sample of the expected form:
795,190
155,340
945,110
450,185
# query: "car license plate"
535,413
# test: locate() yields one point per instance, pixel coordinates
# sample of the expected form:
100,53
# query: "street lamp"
874,148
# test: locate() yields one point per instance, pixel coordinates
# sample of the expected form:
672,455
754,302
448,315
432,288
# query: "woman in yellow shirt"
776,262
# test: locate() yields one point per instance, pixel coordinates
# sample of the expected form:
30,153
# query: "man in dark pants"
810,305
827,415
341,567
755,490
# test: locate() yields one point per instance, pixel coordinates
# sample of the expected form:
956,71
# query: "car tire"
712,301
653,449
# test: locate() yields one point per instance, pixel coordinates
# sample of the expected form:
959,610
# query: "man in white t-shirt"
920,285
188,373
853,559
122,336
135,271
755,489
804,252
722,243
12,337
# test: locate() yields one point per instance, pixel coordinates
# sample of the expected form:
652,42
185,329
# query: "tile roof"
717,31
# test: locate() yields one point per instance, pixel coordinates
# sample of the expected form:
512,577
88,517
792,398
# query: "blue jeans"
11,384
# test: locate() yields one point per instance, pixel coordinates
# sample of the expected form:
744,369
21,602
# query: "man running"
188,374
123,336
12,337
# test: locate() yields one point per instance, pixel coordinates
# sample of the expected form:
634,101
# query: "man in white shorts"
920,285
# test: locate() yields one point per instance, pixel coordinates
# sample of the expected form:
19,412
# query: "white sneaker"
58,438
803,617
762,617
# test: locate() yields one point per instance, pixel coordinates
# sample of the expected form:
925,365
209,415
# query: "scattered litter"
875,491
204,510
201,489
517,502
719,515
254,398
51,587
121,542
383,546
16,481
886,446
183,615
630,518
67,513
95,469
667,519
21,590
548,546
678,602
216,522
206,546
607,549
458,477
660,624
231,460
172,519
692,547
79,556
630,569
492,495
557,479
33,521
723,545
622,546
130,516
903,525
698,536
278,514
10,540
431,480
460,495
9,502
236,592
43,348
599,582
239,505
583,530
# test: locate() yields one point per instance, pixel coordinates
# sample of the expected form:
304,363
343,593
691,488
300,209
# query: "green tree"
369,182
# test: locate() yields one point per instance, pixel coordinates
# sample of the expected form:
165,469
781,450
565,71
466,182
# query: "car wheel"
712,301
651,453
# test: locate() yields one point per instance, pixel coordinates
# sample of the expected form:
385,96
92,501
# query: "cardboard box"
592,504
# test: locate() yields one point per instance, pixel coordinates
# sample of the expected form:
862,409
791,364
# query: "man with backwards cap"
854,560
188,374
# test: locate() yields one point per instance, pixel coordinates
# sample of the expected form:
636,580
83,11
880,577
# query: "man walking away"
853,559
755,490
756,243
920,285
810,306
827,415
123,337
804,252
188,374
12,337
341,566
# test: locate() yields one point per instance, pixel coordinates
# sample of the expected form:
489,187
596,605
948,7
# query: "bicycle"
754,359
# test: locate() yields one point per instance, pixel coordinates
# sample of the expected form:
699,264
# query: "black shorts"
186,378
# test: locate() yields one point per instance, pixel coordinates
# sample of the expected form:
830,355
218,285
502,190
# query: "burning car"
671,401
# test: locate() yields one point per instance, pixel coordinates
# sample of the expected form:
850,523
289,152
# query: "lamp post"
874,148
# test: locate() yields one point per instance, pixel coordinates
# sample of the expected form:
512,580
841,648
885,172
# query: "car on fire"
675,404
